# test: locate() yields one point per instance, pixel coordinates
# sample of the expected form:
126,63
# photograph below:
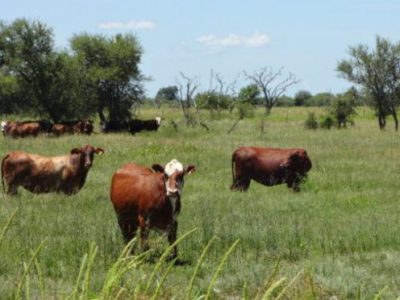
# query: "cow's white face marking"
170,168
158,119
3,125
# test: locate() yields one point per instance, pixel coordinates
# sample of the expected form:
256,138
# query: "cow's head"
158,120
87,154
174,173
3,125
87,127
298,161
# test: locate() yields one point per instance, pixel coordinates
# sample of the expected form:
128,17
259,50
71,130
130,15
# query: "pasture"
340,234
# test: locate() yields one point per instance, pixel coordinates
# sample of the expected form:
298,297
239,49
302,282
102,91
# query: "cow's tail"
233,186
2,172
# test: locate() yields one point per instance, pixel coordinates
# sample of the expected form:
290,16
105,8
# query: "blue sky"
305,37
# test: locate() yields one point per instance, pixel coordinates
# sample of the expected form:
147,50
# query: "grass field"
340,234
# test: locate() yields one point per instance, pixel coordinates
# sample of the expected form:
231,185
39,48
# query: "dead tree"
186,91
273,85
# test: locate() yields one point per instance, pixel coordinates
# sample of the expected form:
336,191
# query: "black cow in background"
133,126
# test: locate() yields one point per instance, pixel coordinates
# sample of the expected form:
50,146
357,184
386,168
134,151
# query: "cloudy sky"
305,37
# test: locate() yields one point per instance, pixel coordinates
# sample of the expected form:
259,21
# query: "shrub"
327,122
311,122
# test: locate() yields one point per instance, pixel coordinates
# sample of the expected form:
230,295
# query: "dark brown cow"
40,174
269,166
25,128
72,127
137,125
148,198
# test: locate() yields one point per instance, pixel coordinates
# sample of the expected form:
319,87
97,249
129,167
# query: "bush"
311,122
327,122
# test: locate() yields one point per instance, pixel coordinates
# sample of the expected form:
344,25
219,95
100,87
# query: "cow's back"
135,188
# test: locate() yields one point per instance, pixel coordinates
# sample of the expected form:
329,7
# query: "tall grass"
337,237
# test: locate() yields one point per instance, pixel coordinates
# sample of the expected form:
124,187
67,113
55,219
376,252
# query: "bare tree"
186,89
273,84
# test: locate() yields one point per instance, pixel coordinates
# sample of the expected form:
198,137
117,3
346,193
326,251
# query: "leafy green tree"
301,97
320,99
213,100
31,67
377,71
342,109
169,93
113,78
250,94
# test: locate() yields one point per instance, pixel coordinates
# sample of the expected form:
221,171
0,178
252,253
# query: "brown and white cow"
269,166
148,198
40,174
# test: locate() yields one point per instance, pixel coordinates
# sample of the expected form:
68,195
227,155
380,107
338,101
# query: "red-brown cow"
22,129
40,174
269,166
148,198
72,127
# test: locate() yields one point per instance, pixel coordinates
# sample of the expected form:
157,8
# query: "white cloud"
235,40
136,25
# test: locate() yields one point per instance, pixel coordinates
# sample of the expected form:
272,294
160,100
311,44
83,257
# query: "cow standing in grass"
40,174
148,198
269,166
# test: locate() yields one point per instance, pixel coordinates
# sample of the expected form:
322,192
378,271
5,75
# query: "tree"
187,87
113,78
33,73
272,85
342,110
169,93
250,94
301,97
376,71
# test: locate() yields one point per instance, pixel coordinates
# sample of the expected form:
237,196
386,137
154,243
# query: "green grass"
341,232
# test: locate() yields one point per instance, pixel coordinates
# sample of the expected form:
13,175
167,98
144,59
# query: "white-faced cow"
269,166
40,174
148,198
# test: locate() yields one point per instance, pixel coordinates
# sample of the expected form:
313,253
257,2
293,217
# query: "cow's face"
87,154
174,173
3,125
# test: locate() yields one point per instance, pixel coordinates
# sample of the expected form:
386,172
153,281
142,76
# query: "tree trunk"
396,121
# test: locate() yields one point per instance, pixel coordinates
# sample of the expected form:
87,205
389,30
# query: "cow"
114,126
137,125
269,166
25,128
40,174
71,127
149,198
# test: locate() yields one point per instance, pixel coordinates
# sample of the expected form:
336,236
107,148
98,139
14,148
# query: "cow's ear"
158,168
99,150
190,169
76,151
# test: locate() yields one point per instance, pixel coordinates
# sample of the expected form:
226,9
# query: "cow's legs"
172,229
128,226
12,189
241,184
144,232
293,182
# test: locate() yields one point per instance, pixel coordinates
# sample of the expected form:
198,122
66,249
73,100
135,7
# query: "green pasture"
340,236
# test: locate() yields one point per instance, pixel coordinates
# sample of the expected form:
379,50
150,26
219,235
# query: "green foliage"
321,99
342,109
301,97
250,94
285,101
377,71
169,93
213,100
113,76
311,122
327,122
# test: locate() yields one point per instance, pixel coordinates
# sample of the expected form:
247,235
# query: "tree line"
100,75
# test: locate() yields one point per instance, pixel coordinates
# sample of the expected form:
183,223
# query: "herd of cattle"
22,129
146,197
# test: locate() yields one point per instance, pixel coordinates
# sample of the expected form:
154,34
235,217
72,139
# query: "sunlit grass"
340,233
